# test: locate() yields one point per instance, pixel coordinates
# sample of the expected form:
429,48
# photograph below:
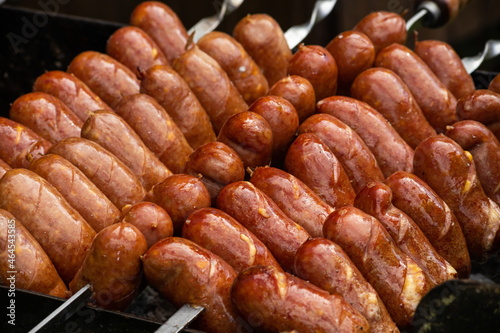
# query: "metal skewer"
179,320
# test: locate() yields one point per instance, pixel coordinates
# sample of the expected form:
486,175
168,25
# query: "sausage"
180,195
398,280
356,158
221,234
423,205
77,189
241,69
447,65
376,199
274,301
46,115
298,91
71,91
105,170
160,22
480,105
318,66
112,133
495,129
293,197
23,259
311,161
105,76
4,167
151,220
250,136
265,42
134,48
324,264
435,100
495,84
391,151
383,28
211,85
175,96
386,92
353,52
259,214
19,144
184,272
451,172
61,231
113,266
156,129
216,164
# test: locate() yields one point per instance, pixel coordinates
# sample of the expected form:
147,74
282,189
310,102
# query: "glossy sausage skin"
105,170
390,150
4,167
179,101
311,161
19,144
113,266
397,279
263,39
356,158
480,105
495,84
20,252
451,172
59,228
46,115
77,189
324,264
221,234
105,76
259,214
435,100
185,273
71,91
423,205
242,70
386,92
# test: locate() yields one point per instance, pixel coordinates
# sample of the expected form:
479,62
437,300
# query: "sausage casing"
480,105
4,167
495,84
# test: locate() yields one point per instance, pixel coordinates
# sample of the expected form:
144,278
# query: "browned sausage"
451,172
480,105
4,167
356,158
104,169
71,91
495,84
495,129
23,262
386,92
184,273
398,280
390,150
160,22
324,264
251,137
414,197
175,96
217,165
259,214
77,189
293,197
211,85
435,100
59,228
311,161
263,39
383,28
274,301
105,76
112,133
298,91
239,66
19,144
113,266
221,234
353,52
46,115
447,65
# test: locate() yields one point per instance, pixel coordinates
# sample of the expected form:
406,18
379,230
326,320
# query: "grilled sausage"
480,105
495,84
4,167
